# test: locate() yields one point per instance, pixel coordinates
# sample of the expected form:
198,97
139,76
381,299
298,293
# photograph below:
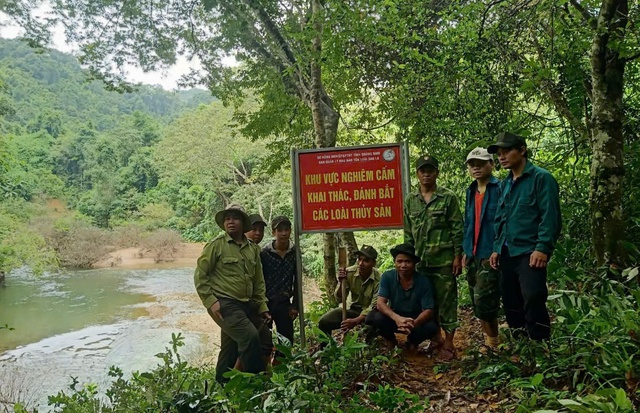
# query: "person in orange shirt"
479,234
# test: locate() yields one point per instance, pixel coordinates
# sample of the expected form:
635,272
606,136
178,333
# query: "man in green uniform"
528,224
230,284
433,226
362,280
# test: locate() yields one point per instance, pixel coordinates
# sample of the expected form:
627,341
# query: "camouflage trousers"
484,289
445,293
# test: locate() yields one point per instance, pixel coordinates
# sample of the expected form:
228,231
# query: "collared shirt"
226,269
528,216
409,302
279,272
364,294
434,228
484,246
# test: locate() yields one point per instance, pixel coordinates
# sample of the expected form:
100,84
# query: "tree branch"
588,17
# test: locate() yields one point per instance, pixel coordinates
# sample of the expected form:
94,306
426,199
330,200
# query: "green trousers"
484,289
332,320
244,335
445,293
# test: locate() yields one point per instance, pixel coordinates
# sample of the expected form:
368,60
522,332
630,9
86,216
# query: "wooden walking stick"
342,263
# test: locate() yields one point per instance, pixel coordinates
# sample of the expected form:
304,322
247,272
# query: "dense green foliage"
335,379
445,78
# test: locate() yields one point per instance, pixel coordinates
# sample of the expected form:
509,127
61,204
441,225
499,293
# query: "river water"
80,323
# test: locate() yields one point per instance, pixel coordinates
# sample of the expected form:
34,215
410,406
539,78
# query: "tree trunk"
607,143
349,241
330,279
325,125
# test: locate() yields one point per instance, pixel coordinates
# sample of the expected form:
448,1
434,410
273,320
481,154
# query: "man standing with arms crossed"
433,226
229,281
482,198
528,224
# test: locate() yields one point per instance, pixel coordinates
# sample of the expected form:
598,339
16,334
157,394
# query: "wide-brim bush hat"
406,249
235,208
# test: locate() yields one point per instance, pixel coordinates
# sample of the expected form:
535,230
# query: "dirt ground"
445,385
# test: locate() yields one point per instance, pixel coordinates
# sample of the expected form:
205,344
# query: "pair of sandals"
441,353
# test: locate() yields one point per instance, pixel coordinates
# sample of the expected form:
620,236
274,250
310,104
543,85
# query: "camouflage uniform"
435,230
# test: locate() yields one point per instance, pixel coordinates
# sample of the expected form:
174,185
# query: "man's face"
233,223
511,157
427,175
257,233
404,264
282,233
479,169
365,265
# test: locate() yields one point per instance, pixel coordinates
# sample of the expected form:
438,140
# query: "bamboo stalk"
342,263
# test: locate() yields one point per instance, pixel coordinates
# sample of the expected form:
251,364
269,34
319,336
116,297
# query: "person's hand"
215,310
405,324
538,259
457,266
464,260
349,323
494,260
293,313
342,274
266,317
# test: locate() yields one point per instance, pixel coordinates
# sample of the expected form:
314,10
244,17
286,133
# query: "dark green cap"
507,140
426,160
256,219
281,219
367,251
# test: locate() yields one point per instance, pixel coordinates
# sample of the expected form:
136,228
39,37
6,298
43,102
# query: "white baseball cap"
479,153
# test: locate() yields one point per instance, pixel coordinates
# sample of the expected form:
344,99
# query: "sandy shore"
196,320
136,258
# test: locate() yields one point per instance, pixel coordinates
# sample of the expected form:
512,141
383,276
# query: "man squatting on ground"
256,234
528,224
405,301
229,281
362,280
279,267
433,226
480,209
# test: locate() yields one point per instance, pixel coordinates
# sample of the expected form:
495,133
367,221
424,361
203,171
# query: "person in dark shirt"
279,266
528,224
405,301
